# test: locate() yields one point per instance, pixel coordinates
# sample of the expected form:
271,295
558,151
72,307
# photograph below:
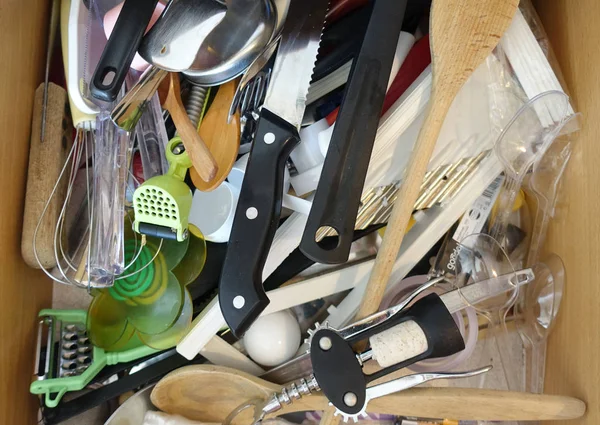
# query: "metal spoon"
211,56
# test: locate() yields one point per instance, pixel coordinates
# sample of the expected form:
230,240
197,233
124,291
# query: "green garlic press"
162,204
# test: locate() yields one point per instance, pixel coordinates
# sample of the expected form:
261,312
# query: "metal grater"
68,351
75,350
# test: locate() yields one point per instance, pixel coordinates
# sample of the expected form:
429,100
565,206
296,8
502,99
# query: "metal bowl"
210,42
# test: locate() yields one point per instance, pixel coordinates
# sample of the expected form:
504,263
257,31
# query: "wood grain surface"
23,291
170,97
573,363
46,160
222,138
209,393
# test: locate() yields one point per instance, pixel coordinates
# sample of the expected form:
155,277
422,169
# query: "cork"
46,160
402,342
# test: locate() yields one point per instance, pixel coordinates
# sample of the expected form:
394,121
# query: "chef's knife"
241,294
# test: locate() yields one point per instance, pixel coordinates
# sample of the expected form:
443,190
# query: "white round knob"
273,339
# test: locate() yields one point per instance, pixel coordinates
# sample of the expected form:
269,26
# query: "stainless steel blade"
454,300
296,56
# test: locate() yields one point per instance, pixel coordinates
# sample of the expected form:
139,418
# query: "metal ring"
256,402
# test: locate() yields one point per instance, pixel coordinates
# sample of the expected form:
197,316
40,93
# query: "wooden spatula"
222,138
170,97
462,34
209,393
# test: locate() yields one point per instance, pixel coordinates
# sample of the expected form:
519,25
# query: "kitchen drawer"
573,364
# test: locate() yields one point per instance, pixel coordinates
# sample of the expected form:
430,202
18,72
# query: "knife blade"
455,301
241,294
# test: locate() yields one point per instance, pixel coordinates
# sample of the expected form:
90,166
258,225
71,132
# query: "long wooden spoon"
170,97
462,34
209,393
221,138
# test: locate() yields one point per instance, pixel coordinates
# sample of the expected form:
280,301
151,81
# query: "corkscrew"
398,337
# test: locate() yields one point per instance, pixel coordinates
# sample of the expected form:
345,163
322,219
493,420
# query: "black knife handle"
120,49
241,294
340,187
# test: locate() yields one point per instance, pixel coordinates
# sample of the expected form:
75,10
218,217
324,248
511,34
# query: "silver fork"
250,102
254,94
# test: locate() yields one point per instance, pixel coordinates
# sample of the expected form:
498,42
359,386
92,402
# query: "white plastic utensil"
212,212
83,54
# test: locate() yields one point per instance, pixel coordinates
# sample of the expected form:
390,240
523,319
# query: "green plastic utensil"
76,361
162,204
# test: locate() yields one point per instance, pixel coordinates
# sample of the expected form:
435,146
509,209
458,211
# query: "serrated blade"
296,57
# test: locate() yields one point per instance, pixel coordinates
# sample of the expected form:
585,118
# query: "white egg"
273,339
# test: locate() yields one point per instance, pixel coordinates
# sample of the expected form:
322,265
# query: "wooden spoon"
209,393
462,34
170,97
222,138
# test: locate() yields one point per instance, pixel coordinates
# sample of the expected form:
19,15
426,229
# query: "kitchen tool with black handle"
338,194
120,49
256,220
241,294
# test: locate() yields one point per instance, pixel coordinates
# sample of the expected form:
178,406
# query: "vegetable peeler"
69,361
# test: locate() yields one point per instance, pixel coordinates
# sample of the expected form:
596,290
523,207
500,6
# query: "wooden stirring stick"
170,97
221,138
462,34
209,393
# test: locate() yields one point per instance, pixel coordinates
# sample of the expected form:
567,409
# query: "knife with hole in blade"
338,194
241,294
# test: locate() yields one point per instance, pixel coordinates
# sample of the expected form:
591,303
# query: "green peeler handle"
113,358
178,162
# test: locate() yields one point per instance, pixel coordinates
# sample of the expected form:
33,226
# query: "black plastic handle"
338,194
338,370
120,49
431,314
241,294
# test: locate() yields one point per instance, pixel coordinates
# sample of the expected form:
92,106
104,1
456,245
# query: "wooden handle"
209,393
462,34
46,160
329,417
403,207
221,138
464,404
200,155
202,159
